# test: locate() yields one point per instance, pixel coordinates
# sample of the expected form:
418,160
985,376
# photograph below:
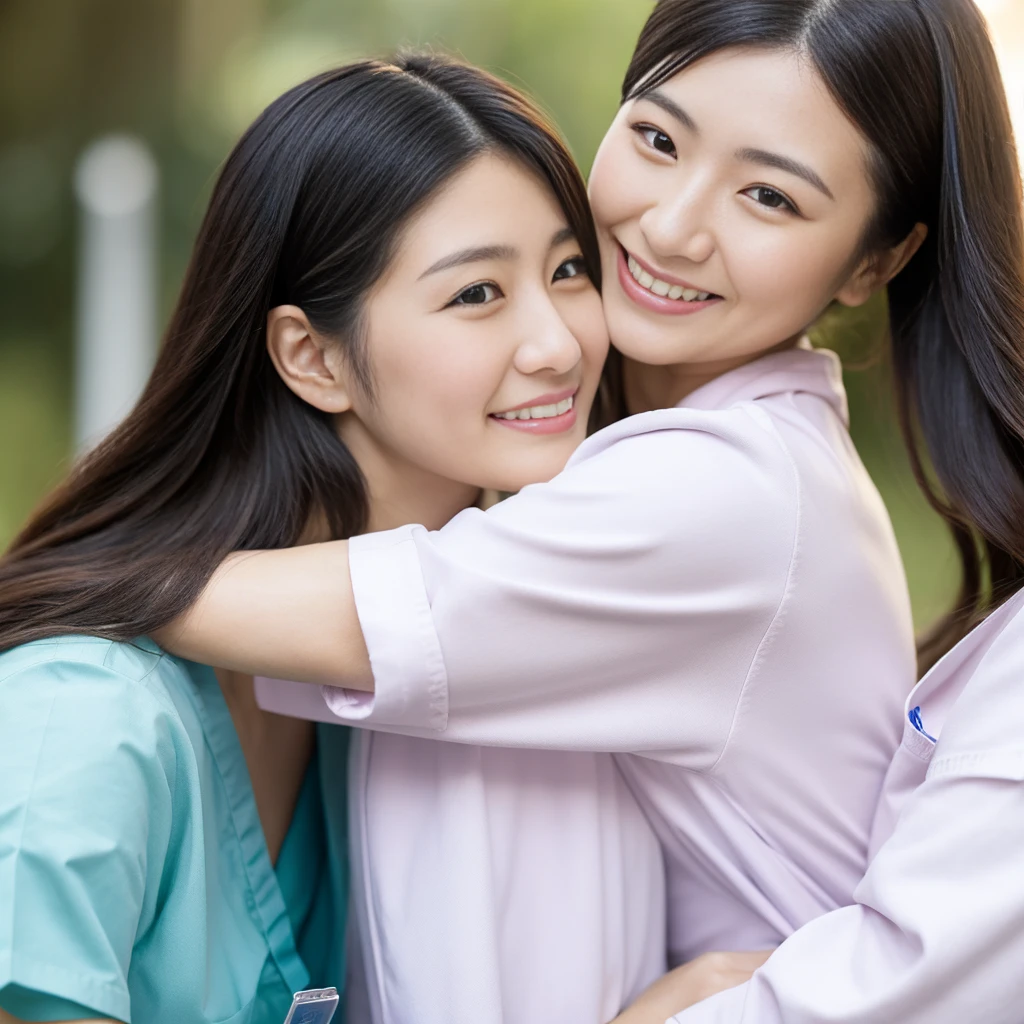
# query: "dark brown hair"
919,78
219,455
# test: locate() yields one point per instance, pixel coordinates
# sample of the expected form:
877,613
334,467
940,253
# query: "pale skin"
691,983
739,177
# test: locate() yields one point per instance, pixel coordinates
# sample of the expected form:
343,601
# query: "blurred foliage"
188,75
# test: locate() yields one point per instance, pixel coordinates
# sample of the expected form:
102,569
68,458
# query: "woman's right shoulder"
92,695
64,660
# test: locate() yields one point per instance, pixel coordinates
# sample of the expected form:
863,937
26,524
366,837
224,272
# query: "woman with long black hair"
710,586
397,263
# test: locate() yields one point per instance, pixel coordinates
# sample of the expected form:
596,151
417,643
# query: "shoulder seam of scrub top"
53,647
765,642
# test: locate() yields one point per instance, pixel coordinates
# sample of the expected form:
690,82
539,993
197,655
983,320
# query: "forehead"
492,201
774,100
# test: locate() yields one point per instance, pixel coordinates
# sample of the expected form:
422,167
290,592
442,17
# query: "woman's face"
485,340
731,203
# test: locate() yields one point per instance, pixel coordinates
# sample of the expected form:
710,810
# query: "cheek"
611,196
793,271
433,392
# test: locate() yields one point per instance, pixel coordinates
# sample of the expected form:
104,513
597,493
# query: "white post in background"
116,186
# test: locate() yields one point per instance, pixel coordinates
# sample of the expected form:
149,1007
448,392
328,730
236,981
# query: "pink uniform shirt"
936,935
712,593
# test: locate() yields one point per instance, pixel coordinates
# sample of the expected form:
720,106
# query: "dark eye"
770,198
575,267
656,139
477,295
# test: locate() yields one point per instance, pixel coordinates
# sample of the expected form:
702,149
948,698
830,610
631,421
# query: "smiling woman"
697,188
395,257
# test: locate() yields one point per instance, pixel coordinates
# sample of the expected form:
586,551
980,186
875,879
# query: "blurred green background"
188,75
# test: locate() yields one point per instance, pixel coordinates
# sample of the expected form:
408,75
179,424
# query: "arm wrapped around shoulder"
617,607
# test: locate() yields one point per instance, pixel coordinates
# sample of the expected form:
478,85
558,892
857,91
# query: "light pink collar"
801,369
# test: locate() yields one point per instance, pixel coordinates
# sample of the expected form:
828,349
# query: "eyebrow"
476,254
753,156
659,99
486,253
785,163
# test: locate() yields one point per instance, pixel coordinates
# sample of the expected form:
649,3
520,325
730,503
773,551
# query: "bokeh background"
186,77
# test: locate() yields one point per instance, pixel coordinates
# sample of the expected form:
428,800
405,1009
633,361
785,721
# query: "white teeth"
663,288
539,412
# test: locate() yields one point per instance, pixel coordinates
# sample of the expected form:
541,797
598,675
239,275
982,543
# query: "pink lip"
657,303
551,425
554,425
552,399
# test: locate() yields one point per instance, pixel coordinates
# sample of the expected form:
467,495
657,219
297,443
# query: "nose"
548,345
679,227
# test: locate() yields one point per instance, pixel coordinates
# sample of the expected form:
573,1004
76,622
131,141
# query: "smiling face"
731,203
485,341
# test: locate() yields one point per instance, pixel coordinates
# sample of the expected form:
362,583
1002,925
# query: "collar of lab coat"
800,369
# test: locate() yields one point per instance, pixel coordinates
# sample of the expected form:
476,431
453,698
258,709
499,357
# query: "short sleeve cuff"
410,682
44,991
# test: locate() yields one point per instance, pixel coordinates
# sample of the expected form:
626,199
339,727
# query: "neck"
400,491
648,387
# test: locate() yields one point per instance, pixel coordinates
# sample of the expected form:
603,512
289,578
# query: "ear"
878,269
308,363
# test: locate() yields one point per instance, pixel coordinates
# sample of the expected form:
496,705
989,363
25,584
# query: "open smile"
548,414
657,292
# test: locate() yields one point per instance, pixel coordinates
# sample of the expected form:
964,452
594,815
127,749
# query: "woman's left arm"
618,607
289,614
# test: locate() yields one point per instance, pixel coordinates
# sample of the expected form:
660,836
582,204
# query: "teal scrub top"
135,882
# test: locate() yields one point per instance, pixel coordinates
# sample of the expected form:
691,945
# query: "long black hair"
219,455
920,80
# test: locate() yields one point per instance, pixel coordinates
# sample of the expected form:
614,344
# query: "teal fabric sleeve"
28,1004
86,763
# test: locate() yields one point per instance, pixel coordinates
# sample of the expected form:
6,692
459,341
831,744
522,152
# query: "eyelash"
643,130
579,262
459,299
788,206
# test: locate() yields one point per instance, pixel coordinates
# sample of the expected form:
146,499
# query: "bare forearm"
286,614
691,983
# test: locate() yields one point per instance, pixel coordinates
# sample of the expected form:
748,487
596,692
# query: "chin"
639,340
